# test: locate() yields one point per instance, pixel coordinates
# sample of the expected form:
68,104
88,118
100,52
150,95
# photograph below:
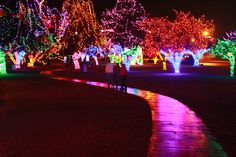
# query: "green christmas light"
226,49
2,63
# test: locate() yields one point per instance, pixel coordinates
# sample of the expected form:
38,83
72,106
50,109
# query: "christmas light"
231,36
83,28
185,34
226,49
123,19
132,56
115,53
2,63
75,58
163,59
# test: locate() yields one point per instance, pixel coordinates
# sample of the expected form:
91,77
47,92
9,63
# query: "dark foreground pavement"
41,117
208,91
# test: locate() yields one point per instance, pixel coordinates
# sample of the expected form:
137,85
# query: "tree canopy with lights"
83,28
9,24
123,21
38,28
185,34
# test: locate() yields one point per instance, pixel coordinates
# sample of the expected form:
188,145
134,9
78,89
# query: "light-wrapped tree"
185,34
41,29
226,49
2,63
9,26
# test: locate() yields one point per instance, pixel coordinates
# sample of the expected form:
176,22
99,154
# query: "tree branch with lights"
83,28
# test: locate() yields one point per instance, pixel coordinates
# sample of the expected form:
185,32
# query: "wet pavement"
176,132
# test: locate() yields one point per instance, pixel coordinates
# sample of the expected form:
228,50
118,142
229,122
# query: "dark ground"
42,117
208,91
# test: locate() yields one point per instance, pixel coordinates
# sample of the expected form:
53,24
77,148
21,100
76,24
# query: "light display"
163,59
231,36
40,28
226,49
75,58
115,53
91,51
175,38
33,56
55,23
123,20
175,58
132,56
2,63
83,28
16,58
197,54
9,27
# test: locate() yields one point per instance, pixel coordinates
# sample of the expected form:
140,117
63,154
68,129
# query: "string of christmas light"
231,36
83,28
123,21
8,26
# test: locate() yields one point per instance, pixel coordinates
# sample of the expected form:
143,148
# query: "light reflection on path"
177,132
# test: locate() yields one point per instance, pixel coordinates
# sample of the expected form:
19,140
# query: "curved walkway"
177,131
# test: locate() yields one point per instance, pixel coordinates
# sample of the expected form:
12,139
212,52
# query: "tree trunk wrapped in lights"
163,59
2,63
226,49
185,34
175,58
16,58
132,56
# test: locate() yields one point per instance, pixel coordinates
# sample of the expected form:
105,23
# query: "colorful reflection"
177,131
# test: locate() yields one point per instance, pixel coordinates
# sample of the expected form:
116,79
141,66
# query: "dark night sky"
222,11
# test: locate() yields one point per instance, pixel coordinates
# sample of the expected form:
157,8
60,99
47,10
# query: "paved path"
177,131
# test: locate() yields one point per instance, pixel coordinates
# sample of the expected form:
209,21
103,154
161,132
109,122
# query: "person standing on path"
116,75
123,75
109,71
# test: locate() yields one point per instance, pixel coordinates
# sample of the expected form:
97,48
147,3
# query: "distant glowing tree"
32,27
41,29
226,49
83,28
185,34
2,63
35,37
231,36
10,31
123,20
